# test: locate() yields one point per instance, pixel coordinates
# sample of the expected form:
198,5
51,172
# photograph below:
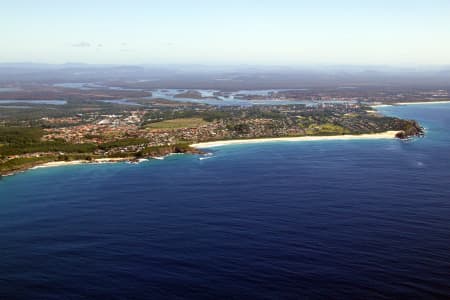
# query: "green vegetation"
20,135
26,142
167,149
19,140
43,147
326,129
17,164
178,123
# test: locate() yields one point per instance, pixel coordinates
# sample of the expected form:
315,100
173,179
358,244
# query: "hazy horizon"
261,33
389,68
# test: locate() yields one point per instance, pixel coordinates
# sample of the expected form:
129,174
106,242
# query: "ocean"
366,219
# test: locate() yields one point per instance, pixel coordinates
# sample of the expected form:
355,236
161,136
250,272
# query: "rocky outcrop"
411,129
169,149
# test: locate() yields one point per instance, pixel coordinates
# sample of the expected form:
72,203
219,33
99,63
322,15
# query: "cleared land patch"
178,123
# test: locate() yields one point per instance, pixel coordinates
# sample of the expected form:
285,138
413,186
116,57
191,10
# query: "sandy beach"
382,135
382,105
410,103
425,102
78,162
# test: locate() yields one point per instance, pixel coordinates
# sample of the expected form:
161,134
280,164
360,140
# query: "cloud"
82,45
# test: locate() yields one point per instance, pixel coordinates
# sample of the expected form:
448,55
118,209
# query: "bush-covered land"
20,135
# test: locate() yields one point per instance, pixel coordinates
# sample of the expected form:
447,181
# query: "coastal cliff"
159,151
411,129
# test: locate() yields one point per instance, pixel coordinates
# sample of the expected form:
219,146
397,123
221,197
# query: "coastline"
424,102
368,136
157,154
79,162
411,103
53,164
197,147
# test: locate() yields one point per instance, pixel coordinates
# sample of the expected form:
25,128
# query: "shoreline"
53,164
423,102
411,103
368,136
196,147
80,162
167,150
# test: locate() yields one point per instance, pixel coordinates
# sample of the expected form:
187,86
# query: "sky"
255,32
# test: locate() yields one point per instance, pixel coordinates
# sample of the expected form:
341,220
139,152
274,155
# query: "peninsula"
98,132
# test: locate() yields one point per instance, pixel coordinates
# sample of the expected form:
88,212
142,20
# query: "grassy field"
178,123
326,129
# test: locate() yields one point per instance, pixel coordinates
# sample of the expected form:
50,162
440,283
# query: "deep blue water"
306,220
